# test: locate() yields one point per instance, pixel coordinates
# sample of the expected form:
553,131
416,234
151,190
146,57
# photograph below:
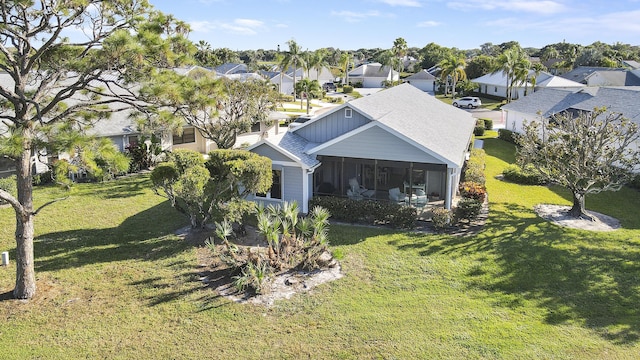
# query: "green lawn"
115,283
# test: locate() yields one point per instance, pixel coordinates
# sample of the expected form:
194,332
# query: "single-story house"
274,78
231,68
600,76
423,80
372,75
495,84
547,102
397,139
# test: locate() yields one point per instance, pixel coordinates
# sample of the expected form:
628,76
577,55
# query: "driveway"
495,115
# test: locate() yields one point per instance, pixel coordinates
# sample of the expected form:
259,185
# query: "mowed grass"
114,282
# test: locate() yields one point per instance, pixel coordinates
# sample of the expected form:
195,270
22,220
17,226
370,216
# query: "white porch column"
305,190
451,180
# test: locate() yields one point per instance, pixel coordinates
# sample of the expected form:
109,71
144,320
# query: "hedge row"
526,176
507,135
474,170
367,212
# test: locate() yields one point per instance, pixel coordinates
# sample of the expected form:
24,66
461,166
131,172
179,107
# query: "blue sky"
354,24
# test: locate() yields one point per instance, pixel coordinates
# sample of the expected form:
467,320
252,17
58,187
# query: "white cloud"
429,23
248,23
282,26
538,7
410,3
353,16
237,26
615,26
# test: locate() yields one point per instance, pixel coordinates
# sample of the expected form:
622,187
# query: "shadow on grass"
142,236
586,280
124,187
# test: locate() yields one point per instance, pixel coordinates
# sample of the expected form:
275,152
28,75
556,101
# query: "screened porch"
416,184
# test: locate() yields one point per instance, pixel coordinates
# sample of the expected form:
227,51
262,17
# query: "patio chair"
419,198
396,196
358,189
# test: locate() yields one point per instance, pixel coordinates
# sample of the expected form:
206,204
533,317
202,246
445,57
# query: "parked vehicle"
470,102
329,87
299,121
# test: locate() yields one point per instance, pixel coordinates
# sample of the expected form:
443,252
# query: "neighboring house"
423,80
274,77
231,68
548,102
495,84
632,64
397,138
373,75
323,76
599,76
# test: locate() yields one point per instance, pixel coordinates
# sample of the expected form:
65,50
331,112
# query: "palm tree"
452,67
512,63
318,61
537,69
399,50
308,88
345,60
294,56
283,63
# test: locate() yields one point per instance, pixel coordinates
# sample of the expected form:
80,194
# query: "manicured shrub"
347,89
441,218
473,190
8,184
526,176
488,124
468,209
474,167
367,212
43,178
507,135
478,131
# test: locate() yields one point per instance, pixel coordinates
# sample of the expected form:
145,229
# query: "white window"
348,113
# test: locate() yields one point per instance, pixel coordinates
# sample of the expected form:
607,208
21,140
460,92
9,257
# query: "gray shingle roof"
623,99
422,118
422,75
294,145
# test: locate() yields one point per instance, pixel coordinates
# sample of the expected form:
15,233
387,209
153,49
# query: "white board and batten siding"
332,126
376,143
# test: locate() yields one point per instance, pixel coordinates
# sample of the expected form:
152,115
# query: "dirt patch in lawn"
560,215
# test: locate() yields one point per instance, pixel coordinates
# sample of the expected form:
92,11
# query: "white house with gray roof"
423,80
547,102
372,75
495,84
397,138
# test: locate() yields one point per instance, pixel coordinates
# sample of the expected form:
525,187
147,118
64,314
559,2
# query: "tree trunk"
578,210
25,271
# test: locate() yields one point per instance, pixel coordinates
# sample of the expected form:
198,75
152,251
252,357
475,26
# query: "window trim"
267,195
348,113
182,137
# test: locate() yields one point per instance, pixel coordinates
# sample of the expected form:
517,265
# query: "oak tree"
586,151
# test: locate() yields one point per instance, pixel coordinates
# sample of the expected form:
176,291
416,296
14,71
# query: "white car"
299,121
469,102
